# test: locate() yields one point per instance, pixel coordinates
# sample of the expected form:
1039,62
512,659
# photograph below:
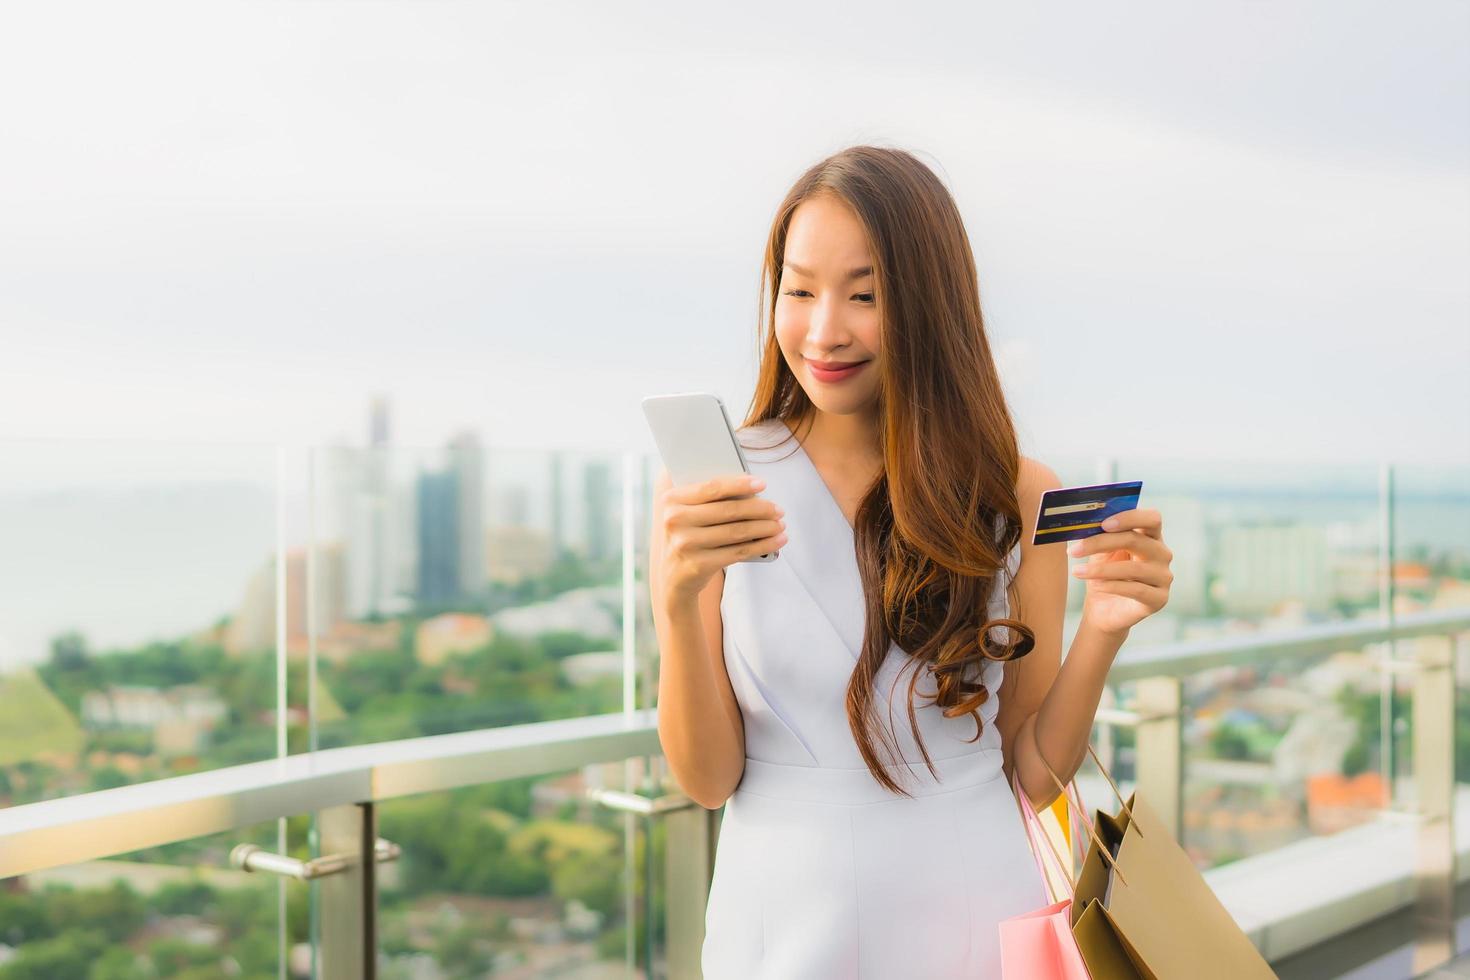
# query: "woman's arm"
700,727
1058,731
1047,705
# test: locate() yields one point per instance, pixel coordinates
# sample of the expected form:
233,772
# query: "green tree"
116,912
1230,742
69,652
121,963
594,879
172,956
68,955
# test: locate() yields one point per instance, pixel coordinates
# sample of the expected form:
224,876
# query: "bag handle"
1076,829
1091,830
1106,775
1109,777
1031,823
1076,811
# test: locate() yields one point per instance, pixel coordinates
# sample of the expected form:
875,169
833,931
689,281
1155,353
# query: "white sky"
1225,230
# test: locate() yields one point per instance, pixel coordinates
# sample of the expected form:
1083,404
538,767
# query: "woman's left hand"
1127,575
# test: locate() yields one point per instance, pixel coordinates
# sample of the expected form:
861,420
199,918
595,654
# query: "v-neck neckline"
817,475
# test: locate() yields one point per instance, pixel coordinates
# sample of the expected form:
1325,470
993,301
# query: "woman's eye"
862,297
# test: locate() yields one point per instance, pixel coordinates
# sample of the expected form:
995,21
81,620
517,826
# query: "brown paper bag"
1153,916
1142,911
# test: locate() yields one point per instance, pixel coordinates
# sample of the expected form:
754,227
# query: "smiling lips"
834,370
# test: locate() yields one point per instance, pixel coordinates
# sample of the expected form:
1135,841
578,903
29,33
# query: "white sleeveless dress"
819,871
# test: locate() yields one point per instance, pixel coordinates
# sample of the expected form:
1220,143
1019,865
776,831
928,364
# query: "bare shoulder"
1035,478
1041,580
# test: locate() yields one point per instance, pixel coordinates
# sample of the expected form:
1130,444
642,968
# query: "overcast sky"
1224,230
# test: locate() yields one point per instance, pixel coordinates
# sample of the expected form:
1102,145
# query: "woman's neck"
850,441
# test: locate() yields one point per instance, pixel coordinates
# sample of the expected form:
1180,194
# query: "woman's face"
826,310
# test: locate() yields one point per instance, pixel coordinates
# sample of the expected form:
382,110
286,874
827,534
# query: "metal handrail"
52,833
58,832
1183,659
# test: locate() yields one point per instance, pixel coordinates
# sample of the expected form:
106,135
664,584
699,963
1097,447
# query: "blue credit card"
1075,512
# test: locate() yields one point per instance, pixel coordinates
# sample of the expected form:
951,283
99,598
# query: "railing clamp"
250,857
1123,718
615,799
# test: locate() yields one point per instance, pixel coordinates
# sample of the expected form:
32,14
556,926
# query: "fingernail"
1111,524
757,483
1075,548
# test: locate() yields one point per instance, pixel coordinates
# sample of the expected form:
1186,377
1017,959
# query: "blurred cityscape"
461,587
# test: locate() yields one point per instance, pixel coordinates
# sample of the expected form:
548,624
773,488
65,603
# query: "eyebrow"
866,270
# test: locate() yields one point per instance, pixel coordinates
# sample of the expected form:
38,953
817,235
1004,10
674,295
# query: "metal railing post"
349,899
1159,759
1433,739
688,867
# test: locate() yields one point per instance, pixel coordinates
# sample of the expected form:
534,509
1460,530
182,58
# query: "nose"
824,329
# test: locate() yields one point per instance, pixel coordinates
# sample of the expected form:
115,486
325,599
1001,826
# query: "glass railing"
150,633
520,877
494,850
138,613
458,589
174,910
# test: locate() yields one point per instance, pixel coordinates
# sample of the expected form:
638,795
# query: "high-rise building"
1261,565
467,461
512,504
558,519
598,498
1190,542
451,556
438,537
378,425
253,627
362,499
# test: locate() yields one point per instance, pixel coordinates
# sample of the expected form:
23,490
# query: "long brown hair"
925,531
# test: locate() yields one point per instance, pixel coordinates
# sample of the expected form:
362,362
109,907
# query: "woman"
781,680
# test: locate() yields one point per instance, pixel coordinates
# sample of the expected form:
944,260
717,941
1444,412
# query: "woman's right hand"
711,524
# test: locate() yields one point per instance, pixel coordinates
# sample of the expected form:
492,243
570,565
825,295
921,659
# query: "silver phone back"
696,440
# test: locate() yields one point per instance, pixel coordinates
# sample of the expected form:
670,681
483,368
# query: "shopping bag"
1039,945
1142,911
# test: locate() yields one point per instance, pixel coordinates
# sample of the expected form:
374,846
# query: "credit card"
1076,512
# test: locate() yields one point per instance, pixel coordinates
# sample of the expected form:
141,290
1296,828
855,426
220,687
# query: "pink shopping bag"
1039,945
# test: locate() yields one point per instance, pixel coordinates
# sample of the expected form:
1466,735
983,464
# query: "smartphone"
696,440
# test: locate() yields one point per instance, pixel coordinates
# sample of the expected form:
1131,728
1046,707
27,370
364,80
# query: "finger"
1150,595
714,536
1149,572
716,488
731,511
749,549
1137,542
1145,519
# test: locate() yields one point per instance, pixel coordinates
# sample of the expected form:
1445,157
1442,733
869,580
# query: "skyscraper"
438,537
467,461
599,500
451,531
365,503
558,517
